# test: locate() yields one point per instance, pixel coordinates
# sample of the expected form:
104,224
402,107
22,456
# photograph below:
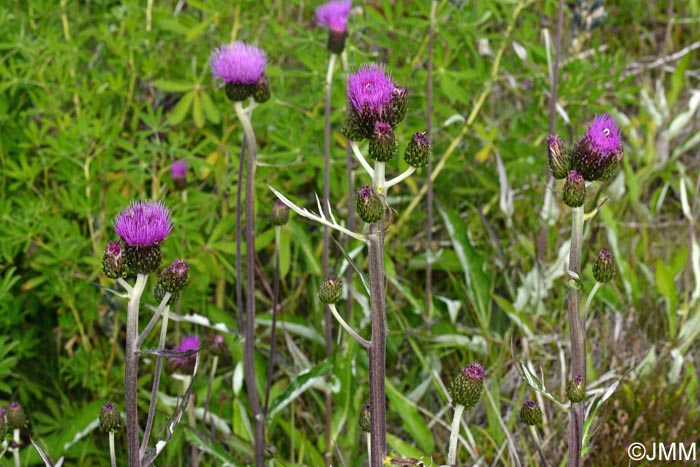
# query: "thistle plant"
240,68
111,422
16,420
594,157
142,227
334,15
531,415
465,390
375,106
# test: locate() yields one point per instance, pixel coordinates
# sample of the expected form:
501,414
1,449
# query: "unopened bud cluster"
110,418
331,289
466,388
530,413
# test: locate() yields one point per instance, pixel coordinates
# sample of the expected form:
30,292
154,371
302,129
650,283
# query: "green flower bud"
331,289
465,389
382,144
365,418
399,99
216,344
418,150
110,418
558,157
604,268
574,194
576,389
279,214
261,90
16,418
370,206
530,413
113,263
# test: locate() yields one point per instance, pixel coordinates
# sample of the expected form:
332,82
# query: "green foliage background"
99,97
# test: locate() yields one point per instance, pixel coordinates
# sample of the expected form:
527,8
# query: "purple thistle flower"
474,370
143,223
178,170
334,14
187,343
370,88
238,63
604,135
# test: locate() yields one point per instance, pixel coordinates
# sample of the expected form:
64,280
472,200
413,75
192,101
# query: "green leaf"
411,420
197,112
180,111
210,108
299,385
211,446
402,447
173,86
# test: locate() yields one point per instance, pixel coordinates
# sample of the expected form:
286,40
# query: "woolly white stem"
112,452
347,327
407,173
454,435
590,298
363,162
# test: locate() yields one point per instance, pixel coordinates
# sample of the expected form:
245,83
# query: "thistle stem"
131,371
377,350
366,344
249,331
273,328
156,376
429,171
368,437
361,159
533,430
407,173
577,331
454,435
594,290
15,451
112,452
326,246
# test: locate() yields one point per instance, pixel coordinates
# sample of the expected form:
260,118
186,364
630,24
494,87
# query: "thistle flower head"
558,158
530,413
110,418
334,14
418,150
15,415
143,223
216,344
598,153
465,389
370,88
370,206
185,364
238,63
113,263
382,144
604,267
178,170
173,279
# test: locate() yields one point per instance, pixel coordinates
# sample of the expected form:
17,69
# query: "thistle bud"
558,158
370,206
174,278
418,150
178,172
576,389
331,289
336,41
16,418
399,98
113,263
216,344
261,90
3,424
604,268
574,194
279,214
142,227
465,389
110,418
530,413
334,14
382,144
365,418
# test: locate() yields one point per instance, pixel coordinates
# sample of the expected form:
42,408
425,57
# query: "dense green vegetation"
100,97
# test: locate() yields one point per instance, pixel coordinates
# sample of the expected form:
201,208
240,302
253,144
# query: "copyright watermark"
662,451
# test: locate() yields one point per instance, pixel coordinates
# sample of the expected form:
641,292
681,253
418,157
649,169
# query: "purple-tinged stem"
249,330
273,328
131,362
377,351
326,241
429,129
577,329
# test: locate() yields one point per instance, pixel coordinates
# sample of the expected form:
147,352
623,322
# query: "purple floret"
238,63
187,343
475,370
143,223
370,87
178,170
334,14
604,135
